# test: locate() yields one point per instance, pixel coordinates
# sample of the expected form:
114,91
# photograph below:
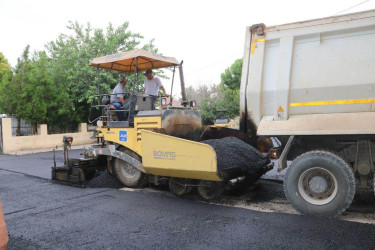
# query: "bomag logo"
164,155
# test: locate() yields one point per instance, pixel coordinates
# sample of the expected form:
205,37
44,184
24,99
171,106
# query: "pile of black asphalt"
236,158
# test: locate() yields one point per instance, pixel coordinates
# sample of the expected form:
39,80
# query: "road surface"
42,214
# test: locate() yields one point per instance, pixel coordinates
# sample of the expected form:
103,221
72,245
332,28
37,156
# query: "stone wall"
41,141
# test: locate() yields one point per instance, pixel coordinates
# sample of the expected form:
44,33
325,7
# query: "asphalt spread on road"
42,214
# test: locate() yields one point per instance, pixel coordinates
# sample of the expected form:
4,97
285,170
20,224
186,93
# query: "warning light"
67,139
273,153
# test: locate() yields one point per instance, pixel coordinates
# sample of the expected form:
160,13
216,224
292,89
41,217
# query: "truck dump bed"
312,77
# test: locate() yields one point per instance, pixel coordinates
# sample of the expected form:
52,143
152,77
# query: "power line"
352,7
214,63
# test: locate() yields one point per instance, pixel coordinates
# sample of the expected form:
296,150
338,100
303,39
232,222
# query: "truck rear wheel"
127,174
319,183
179,186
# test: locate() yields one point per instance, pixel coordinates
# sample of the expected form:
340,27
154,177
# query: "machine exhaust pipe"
182,80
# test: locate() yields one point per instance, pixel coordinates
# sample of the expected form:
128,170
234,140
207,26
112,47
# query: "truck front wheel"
127,174
319,183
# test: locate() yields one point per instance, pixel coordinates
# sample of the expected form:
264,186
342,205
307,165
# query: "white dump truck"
309,88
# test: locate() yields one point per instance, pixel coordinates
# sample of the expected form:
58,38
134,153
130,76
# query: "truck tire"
178,186
127,174
319,183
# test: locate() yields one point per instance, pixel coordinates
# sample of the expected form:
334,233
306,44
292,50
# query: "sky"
208,35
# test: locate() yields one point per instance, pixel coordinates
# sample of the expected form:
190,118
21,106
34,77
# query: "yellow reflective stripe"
299,104
253,42
252,47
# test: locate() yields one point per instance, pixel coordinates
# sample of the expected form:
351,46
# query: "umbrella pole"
171,97
132,92
136,73
98,67
99,99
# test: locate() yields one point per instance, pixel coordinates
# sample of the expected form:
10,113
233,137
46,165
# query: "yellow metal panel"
171,156
146,123
223,125
123,136
133,135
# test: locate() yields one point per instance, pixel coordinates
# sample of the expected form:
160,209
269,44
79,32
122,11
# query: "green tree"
71,73
56,85
28,92
226,97
204,96
12,88
201,93
5,76
208,111
39,92
5,68
231,78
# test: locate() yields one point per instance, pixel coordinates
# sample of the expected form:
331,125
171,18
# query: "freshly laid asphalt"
42,214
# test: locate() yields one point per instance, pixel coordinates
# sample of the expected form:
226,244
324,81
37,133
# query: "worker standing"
3,231
152,86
